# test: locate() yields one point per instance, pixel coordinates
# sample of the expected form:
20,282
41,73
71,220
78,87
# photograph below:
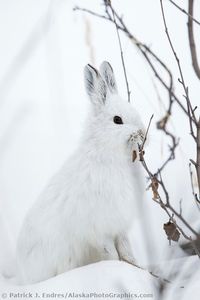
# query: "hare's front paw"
137,137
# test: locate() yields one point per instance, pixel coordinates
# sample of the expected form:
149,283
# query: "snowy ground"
98,279
43,106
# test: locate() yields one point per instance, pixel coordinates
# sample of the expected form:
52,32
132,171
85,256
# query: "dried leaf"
171,231
141,155
134,155
162,123
154,186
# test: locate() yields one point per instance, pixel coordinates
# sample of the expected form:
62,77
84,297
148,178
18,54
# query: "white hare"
85,212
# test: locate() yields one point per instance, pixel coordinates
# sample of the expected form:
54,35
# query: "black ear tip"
106,64
91,67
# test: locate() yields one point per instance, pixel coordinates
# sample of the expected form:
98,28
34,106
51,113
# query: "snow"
43,106
111,277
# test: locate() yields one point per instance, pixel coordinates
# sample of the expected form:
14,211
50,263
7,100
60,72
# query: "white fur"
86,210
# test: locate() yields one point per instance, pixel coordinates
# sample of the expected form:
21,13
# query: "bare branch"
191,39
121,51
198,155
144,49
190,110
146,133
152,59
90,12
150,272
192,186
185,12
166,206
162,126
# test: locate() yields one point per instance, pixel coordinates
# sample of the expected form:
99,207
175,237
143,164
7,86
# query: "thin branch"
144,49
198,155
150,272
190,110
191,39
121,52
146,133
166,206
192,186
168,88
90,12
151,59
172,149
177,214
185,12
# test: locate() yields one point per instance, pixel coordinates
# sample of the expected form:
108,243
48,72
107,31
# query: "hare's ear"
107,74
95,86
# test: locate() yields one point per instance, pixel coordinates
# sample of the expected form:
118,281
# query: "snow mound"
106,279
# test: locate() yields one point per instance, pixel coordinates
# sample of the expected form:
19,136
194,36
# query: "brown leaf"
134,155
162,123
154,186
141,155
171,231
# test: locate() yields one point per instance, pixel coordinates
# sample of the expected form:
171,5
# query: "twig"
161,125
166,206
191,39
90,12
197,165
185,12
177,214
146,133
150,272
144,49
192,186
151,57
157,75
121,51
190,111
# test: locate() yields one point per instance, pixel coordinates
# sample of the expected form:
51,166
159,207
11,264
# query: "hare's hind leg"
109,251
124,250
99,252
90,253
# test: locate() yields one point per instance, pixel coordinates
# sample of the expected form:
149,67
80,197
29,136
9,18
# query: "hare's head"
114,121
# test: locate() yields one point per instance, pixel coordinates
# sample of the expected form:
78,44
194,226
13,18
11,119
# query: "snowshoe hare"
85,212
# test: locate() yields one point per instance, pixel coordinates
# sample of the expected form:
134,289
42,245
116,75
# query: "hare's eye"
117,120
